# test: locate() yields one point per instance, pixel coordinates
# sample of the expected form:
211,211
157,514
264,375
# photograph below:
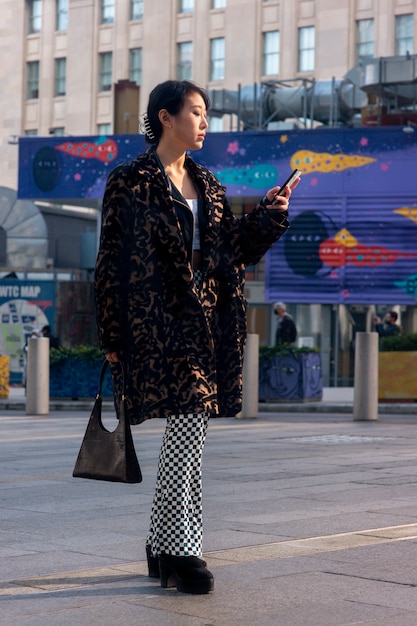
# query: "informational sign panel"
25,307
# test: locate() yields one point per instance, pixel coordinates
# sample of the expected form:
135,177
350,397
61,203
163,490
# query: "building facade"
62,61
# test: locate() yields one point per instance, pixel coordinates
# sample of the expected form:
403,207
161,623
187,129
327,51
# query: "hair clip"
145,127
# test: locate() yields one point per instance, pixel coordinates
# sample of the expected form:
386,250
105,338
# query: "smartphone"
295,174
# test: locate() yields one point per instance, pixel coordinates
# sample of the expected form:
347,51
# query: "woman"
169,296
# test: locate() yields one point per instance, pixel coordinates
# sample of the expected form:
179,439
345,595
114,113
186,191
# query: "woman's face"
188,127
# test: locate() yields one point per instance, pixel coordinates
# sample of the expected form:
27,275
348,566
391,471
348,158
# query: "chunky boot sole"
187,574
153,563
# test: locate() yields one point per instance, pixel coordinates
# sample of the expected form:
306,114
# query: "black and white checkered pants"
176,521
198,279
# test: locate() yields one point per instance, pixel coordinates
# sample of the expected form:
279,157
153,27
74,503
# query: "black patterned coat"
183,351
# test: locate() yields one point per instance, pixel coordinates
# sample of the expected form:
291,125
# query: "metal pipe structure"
258,105
335,102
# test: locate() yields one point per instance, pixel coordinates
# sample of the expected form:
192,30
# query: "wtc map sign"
25,306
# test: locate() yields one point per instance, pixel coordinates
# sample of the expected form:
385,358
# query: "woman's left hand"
280,202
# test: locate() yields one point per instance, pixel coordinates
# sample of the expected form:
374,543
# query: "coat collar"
150,172
150,169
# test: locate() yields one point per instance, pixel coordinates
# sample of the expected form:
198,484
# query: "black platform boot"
188,574
153,563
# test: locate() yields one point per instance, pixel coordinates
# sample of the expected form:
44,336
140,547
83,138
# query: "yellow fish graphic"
308,161
407,212
345,238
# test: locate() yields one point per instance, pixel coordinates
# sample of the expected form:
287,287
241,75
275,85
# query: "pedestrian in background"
53,341
388,328
286,331
169,298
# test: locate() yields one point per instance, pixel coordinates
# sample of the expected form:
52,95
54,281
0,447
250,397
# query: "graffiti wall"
353,236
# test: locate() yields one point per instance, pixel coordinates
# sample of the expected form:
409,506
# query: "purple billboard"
353,235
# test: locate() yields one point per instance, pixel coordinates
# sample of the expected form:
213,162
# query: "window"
107,11
306,45
136,10
60,77
270,56
62,14
59,131
364,39
105,71
185,60
31,133
186,6
404,34
32,89
135,65
35,16
218,4
215,124
103,130
217,48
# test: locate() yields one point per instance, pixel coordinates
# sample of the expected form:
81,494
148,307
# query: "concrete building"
65,63
59,59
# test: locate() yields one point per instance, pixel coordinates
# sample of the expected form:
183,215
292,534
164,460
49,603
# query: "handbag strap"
103,371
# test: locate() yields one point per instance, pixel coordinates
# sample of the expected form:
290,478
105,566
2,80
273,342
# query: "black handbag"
108,455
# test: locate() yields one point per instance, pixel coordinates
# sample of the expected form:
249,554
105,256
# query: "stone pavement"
335,399
310,519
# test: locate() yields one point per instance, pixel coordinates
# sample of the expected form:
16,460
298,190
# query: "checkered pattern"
198,279
176,521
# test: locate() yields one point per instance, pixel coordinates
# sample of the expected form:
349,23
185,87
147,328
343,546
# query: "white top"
193,204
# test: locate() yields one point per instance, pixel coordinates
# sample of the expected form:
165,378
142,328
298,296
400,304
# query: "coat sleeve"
253,234
111,271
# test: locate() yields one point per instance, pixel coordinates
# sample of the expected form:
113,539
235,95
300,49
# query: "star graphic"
233,147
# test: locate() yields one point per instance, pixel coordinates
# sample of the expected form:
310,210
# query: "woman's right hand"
112,357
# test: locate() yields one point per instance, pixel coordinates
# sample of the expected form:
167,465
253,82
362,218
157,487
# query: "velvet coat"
183,349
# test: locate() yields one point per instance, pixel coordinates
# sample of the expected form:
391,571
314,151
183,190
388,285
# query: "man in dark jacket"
390,327
286,330
53,341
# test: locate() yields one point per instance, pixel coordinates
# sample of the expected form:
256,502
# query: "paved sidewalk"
310,519
335,400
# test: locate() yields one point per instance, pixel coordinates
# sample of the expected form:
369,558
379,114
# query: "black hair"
394,315
169,95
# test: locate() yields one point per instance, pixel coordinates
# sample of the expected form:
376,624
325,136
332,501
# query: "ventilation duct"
391,80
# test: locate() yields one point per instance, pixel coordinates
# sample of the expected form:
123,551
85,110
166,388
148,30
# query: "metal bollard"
250,378
365,401
37,385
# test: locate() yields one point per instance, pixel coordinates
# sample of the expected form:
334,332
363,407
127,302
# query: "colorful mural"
353,235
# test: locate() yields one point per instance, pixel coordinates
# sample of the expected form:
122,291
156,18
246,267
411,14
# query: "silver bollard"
365,401
250,398
37,381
